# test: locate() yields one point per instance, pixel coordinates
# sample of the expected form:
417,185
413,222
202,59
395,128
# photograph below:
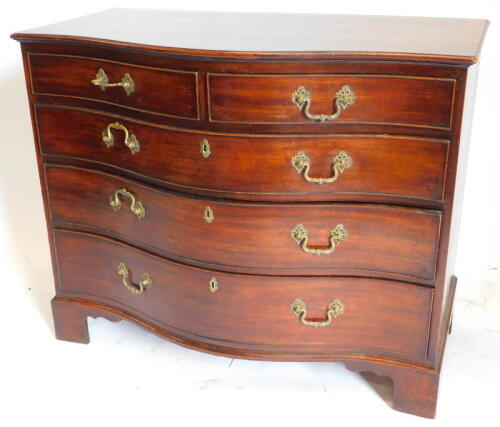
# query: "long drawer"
329,99
301,239
157,90
277,167
313,315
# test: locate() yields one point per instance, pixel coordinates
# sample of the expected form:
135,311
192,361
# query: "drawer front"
381,317
378,99
382,241
161,91
254,166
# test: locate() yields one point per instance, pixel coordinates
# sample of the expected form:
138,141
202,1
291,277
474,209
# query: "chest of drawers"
277,187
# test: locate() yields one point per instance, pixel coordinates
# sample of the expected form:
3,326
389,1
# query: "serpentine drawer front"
374,316
376,240
276,167
258,191
162,91
325,99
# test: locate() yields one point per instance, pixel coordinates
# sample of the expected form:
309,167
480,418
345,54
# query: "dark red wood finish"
249,312
228,97
383,241
253,167
379,99
158,90
265,36
205,65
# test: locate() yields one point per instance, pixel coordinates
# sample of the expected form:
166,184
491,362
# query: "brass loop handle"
302,163
144,283
334,309
130,140
300,235
102,80
344,98
136,206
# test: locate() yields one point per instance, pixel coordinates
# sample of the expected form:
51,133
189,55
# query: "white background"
129,377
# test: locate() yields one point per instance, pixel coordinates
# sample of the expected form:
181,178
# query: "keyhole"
209,215
213,285
205,149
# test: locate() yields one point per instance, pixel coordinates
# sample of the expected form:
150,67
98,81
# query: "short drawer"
303,239
240,311
377,167
336,98
156,90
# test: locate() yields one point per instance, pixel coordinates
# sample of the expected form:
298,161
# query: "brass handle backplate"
144,283
334,309
344,98
302,163
102,80
135,205
130,140
301,236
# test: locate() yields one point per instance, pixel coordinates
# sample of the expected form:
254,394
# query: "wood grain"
413,112
253,166
161,91
383,241
394,100
263,35
294,67
415,390
380,317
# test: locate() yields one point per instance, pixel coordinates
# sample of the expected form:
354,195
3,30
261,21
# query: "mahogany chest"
278,187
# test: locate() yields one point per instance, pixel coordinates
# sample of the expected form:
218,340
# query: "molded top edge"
254,35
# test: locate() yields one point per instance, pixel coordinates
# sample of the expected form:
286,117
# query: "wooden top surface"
260,34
